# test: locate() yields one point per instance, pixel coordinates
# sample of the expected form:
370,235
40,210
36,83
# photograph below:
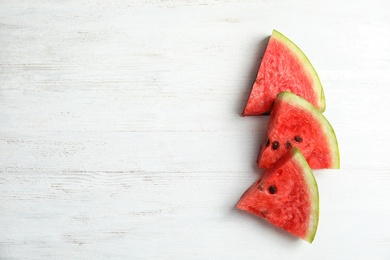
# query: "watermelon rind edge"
307,65
313,191
325,124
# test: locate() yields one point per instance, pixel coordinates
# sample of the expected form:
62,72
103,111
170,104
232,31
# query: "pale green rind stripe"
313,194
325,125
307,65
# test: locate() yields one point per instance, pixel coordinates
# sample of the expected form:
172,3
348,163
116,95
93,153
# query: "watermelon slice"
286,196
284,68
296,122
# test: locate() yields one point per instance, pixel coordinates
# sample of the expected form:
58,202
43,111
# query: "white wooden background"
121,135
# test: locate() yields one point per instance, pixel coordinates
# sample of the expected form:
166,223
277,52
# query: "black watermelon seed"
267,143
272,189
298,138
288,145
275,145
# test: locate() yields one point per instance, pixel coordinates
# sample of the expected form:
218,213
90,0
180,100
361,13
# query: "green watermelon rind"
313,194
317,86
325,125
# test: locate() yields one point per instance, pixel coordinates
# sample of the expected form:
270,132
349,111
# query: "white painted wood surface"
121,135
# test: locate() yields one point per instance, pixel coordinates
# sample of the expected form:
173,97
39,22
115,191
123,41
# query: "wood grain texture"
121,135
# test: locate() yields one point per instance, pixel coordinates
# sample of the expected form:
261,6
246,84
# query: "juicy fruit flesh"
291,125
283,68
285,197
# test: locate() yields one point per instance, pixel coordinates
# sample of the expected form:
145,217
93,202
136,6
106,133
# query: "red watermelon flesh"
286,196
295,122
284,67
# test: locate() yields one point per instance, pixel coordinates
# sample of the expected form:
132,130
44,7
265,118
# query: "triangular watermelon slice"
284,67
286,196
296,122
